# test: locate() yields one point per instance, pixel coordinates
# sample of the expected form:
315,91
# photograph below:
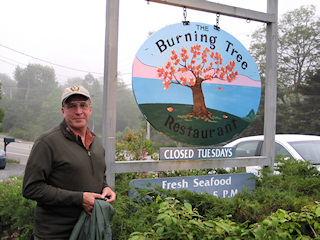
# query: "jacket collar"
67,132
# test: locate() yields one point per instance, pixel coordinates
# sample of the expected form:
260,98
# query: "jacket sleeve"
35,183
105,183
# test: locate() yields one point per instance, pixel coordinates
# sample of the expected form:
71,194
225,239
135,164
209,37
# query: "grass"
12,161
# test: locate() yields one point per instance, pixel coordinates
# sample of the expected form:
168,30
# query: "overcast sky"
69,35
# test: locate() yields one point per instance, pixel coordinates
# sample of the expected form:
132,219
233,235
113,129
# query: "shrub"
16,212
282,205
134,146
273,192
19,133
178,220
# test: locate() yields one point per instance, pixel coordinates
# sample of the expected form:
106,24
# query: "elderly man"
65,171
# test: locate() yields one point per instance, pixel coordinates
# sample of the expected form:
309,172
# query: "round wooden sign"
196,84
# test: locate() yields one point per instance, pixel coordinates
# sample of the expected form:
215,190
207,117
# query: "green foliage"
242,214
283,206
19,133
131,215
177,220
31,102
16,212
50,111
1,118
298,55
23,103
306,110
134,146
290,225
127,109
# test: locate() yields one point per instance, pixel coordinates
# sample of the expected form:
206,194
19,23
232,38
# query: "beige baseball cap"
69,91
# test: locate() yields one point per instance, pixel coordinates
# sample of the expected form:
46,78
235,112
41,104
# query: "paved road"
18,150
12,170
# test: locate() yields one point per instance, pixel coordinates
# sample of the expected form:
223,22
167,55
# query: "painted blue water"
236,100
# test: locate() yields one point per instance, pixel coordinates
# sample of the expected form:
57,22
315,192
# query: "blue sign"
222,185
185,153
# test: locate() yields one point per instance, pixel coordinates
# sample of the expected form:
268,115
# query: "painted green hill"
169,119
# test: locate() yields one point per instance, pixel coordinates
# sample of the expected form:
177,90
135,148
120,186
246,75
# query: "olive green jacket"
58,171
96,226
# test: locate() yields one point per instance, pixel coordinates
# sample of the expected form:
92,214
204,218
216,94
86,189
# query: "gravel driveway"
11,170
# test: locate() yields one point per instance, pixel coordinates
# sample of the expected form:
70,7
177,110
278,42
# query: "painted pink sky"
144,71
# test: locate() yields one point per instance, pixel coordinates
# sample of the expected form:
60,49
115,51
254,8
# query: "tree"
34,83
50,111
1,110
306,112
298,54
299,48
23,108
127,109
191,74
36,107
8,85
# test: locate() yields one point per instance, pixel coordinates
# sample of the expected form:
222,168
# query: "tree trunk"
199,105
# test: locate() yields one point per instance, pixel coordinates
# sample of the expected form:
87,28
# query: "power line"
12,61
15,65
8,62
75,69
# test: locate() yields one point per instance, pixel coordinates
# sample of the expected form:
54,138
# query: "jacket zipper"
81,144
91,163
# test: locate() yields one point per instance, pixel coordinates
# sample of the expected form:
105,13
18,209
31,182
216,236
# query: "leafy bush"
19,133
134,146
273,192
176,220
283,206
16,212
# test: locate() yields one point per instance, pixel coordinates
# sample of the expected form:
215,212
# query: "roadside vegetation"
283,206
12,161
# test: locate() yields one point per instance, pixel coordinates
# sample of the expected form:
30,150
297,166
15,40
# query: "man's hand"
88,201
88,198
109,194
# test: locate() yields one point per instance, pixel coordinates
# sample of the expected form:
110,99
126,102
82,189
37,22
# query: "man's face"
77,111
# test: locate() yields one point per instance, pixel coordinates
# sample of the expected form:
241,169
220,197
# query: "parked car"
298,146
2,159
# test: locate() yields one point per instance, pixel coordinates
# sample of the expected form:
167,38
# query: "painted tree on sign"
191,72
